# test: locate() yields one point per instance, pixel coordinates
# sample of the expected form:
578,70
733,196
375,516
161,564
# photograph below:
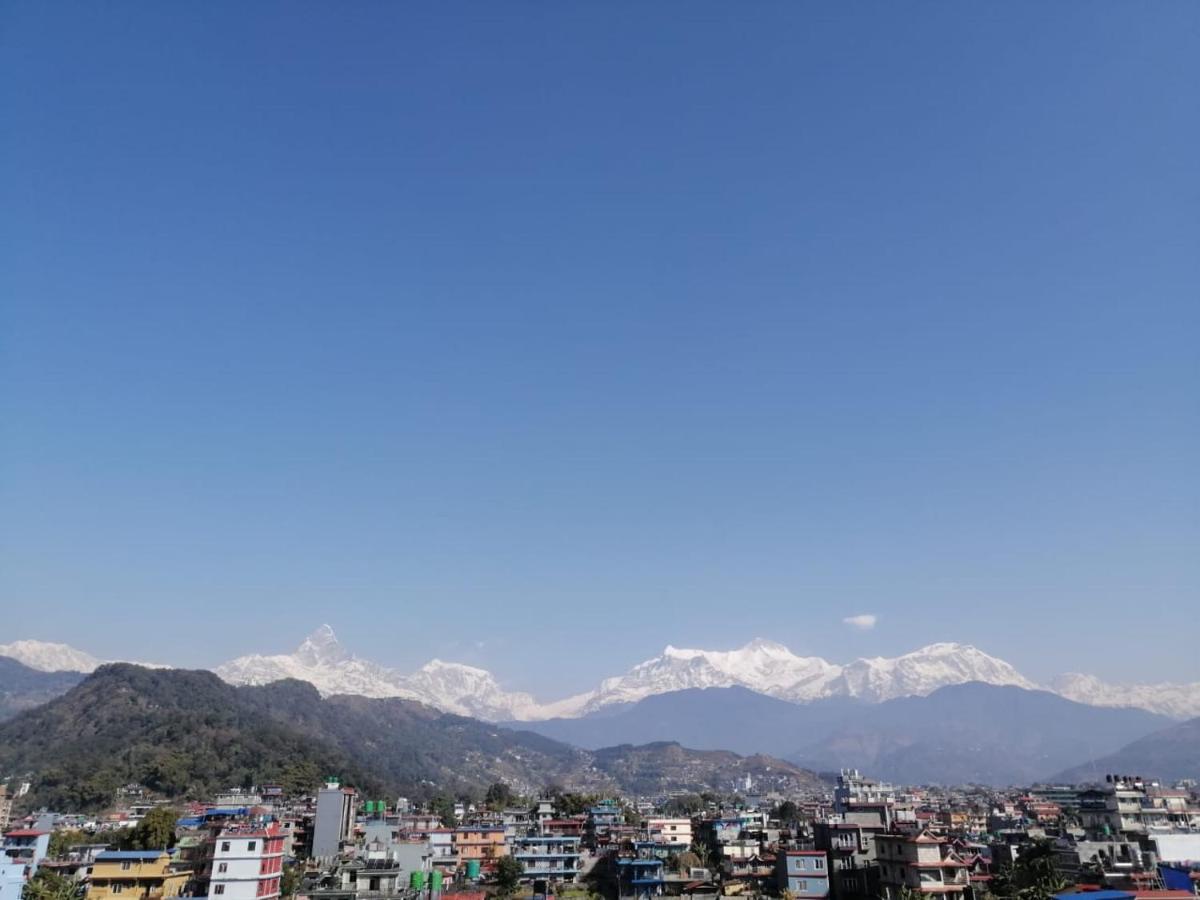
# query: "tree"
156,831
786,812
290,880
62,840
443,807
47,884
508,874
499,796
1034,876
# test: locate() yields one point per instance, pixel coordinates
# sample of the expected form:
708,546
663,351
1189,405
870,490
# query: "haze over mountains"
762,666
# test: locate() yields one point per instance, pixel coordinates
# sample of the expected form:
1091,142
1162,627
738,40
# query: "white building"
674,833
247,862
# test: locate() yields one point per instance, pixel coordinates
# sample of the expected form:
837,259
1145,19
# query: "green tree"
63,840
786,812
49,885
443,807
1034,876
290,880
156,831
508,874
499,796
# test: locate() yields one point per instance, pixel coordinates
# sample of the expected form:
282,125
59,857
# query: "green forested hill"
188,734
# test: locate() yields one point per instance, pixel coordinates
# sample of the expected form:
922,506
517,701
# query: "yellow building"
132,874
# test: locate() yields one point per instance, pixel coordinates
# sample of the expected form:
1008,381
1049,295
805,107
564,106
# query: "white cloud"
863,622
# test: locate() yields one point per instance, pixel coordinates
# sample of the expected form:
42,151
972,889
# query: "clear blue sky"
576,329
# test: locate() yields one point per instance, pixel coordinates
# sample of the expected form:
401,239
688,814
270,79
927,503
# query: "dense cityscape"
159,783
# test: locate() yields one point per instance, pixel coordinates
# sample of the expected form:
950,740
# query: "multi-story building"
125,874
244,862
851,855
803,873
22,851
674,834
601,819
333,823
485,843
552,857
5,808
919,862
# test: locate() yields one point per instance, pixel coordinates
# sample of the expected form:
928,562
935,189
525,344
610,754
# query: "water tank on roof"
473,869
435,881
416,880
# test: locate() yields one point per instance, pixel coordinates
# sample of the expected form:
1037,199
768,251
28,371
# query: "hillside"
23,687
186,734
976,733
962,733
1170,754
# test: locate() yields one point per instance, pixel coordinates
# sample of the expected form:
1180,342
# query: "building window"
116,888
223,867
218,888
224,846
126,866
250,846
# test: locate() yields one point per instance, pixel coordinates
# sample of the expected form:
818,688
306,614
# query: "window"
218,888
250,846
117,888
224,846
126,866
223,867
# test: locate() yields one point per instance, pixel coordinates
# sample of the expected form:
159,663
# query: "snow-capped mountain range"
761,665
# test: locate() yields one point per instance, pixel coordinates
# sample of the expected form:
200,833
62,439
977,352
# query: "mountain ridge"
764,666
187,733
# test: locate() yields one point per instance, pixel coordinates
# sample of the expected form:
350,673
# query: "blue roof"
1095,895
129,854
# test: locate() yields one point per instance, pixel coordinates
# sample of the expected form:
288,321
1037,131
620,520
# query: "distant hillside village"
857,839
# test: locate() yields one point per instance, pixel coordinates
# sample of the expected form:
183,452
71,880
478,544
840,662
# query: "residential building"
674,834
485,843
919,862
22,851
245,862
803,873
333,824
552,857
126,874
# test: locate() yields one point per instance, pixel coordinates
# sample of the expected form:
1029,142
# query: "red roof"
26,832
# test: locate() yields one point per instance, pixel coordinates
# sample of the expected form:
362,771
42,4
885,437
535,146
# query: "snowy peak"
1179,701
771,668
761,665
923,671
321,648
46,656
323,662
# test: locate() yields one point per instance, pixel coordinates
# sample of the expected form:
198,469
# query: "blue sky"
540,335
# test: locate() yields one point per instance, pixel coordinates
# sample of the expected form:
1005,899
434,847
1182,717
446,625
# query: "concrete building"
22,851
333,824
550,857
674,834
485,843
803,873
126,874
245,862
919,862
